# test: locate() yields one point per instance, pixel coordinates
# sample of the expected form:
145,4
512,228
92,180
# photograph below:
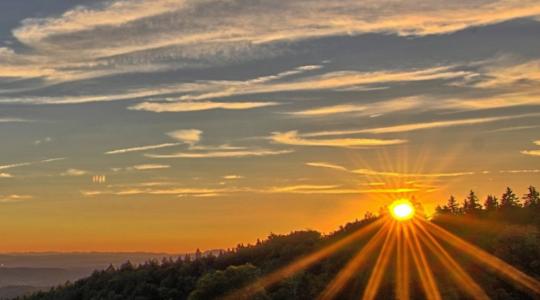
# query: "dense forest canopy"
506,226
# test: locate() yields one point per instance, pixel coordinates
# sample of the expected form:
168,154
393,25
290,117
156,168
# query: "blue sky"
210,115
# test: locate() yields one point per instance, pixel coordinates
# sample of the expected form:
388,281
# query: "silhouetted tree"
509,199
532,198
491,203
453,206
471,204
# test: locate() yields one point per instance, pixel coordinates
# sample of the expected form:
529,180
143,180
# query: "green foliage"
218,283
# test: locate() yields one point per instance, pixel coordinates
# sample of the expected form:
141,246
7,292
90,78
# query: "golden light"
402,210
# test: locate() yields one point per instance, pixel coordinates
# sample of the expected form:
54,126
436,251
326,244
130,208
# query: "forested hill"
507,227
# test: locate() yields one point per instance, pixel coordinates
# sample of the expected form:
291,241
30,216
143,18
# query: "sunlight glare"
402,210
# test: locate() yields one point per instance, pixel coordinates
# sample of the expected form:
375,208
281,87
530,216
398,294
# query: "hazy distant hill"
511,234
23,273
9,292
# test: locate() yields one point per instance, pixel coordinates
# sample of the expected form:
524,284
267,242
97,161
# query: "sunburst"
405,236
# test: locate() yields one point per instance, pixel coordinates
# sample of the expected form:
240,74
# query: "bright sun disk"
402,210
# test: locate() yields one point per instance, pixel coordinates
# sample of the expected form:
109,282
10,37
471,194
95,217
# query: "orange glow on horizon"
402,239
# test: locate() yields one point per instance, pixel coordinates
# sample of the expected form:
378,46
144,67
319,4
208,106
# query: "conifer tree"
471,203
509,199
491,203
453,206
532,198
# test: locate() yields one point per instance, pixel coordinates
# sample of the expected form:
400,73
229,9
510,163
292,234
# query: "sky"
171,125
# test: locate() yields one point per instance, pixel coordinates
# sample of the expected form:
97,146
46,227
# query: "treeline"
509,206
507,226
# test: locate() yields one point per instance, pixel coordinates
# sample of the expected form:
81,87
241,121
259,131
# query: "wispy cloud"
43,141
14,198
294,138
74,172
326,165
531,152
24,164
98,40
198,94
514,128
505,73
420,126
336,189
13,120
232,177
186,136
327,81
150,167
371,172
221,154
6,175
197,106
142,148
374,109
524,171
152,191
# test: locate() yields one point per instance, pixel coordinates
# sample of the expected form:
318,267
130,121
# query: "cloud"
150,167
531,152
14,120
197,106
187,136
6,175
106,38
142,148
514,128
74,172
14,198
525,171
293,138
378,108
221,154
151,191
24,164
420,126
326,165
330,110
202,91
371,172
43,141
335,189
232,177
505,73
330,80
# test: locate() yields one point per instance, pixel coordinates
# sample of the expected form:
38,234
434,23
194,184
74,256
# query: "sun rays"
405,240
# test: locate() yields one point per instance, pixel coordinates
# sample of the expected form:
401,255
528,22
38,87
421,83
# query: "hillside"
514,237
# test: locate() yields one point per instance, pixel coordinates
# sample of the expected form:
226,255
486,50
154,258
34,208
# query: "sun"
401,210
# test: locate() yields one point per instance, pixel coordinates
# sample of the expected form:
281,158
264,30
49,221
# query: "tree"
442,210
491,203
509,199
453,206
532,198
471,204
218,283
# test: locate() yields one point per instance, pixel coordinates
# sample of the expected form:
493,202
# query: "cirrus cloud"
294,138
